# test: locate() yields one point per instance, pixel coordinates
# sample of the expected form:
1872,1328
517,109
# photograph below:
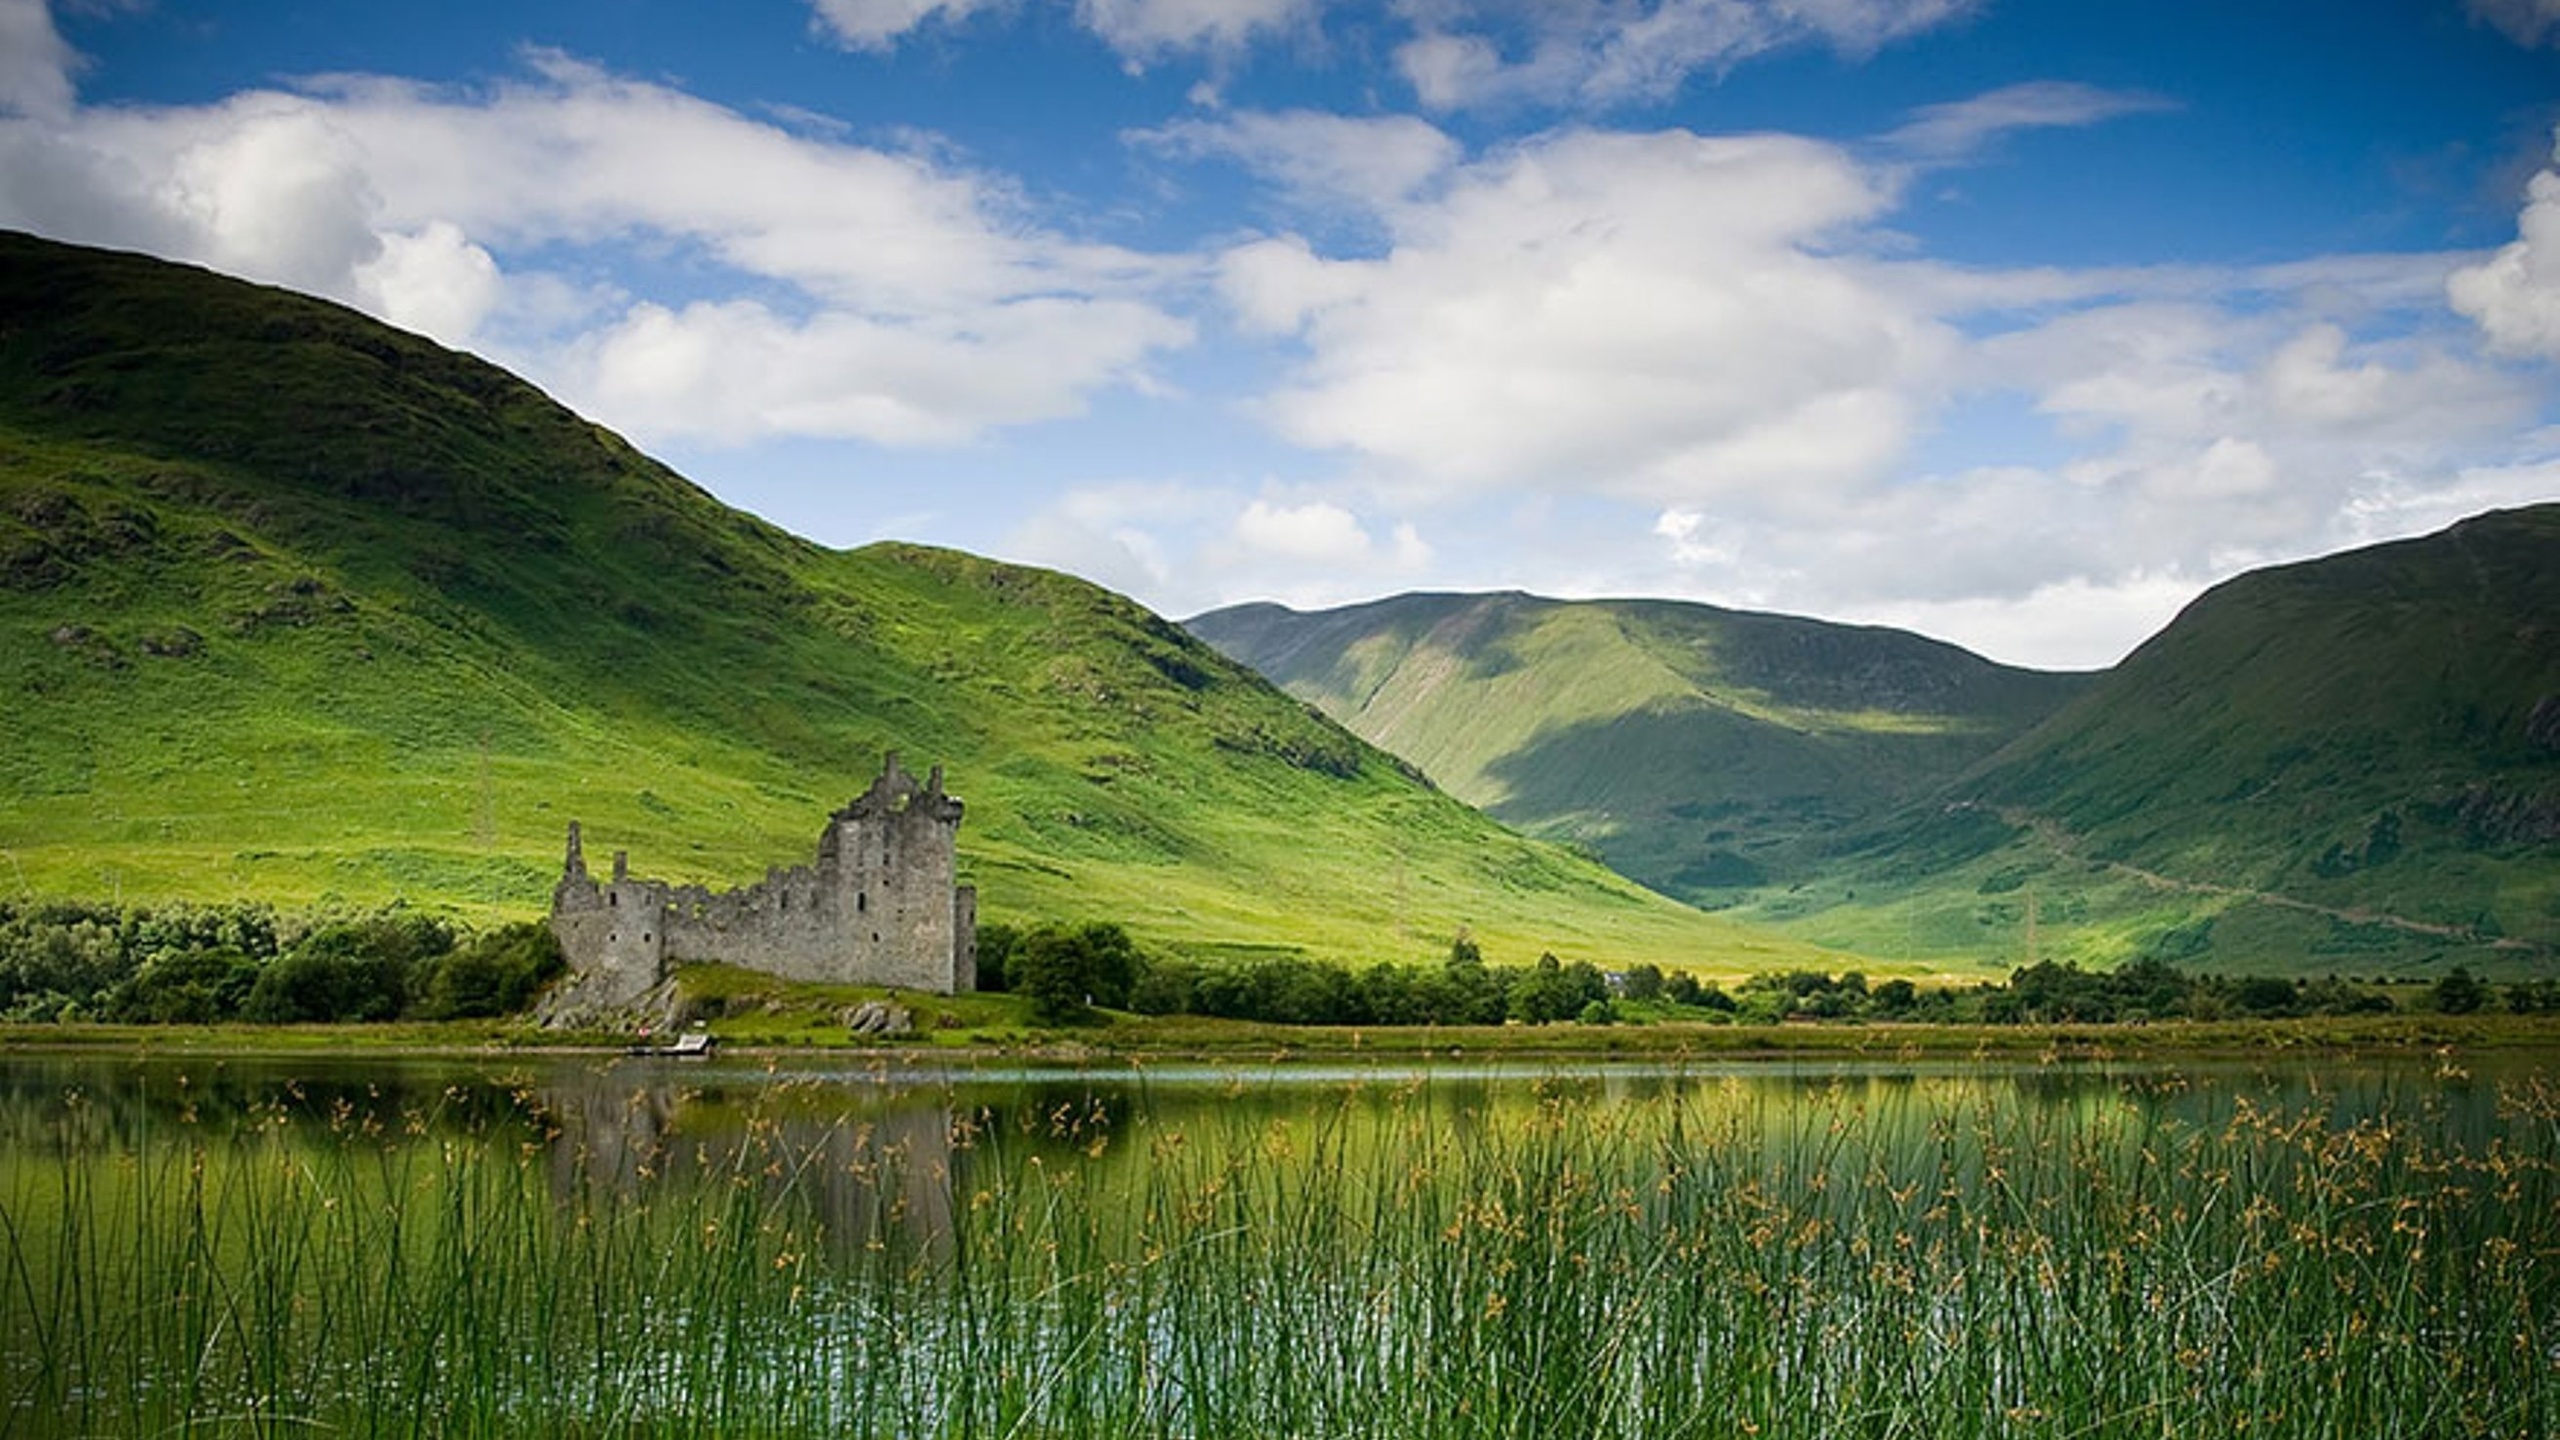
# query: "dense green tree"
1166,987
494,974
2459,992
315,982
1066,971
185,987
1552,990
2266,996
1895,997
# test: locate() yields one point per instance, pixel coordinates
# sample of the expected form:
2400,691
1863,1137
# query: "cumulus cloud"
2514,295
847,291
434,281
1603,53
1650,314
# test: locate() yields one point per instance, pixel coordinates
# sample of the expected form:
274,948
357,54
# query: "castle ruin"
879,907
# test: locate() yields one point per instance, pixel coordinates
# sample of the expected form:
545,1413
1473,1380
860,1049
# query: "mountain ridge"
1698,748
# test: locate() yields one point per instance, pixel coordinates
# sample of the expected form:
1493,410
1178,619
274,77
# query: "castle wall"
879,907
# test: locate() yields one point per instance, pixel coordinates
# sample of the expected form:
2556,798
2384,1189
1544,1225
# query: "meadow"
576,1248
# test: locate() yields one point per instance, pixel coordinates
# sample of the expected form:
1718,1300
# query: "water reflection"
882,1148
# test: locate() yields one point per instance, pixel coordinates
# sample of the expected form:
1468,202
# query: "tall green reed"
1924,1258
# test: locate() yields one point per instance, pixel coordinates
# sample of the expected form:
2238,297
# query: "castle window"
613,897
861,902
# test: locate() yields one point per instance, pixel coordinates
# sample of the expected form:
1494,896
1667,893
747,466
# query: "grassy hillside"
294,606
1710,753
2350,765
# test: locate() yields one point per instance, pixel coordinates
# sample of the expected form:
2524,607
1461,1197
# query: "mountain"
2347,766
1710,753
297,607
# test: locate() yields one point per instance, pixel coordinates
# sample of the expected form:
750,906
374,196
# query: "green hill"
1712,754
295,606
2348,765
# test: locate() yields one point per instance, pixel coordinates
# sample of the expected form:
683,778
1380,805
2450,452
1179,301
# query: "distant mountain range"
2350,765
297,607
1706,752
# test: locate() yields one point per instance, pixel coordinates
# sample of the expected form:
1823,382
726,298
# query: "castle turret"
577,889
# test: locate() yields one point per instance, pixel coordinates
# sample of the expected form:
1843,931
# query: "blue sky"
2017,322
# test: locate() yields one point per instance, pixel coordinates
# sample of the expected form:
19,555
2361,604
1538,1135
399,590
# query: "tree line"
73,960
1068,970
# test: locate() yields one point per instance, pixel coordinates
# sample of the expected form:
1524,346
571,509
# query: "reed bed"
1709,1262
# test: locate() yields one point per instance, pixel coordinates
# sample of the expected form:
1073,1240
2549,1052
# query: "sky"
2013,322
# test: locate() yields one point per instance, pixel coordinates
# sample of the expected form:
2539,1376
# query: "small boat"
691,1045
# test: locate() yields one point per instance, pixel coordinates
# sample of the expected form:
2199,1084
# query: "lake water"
816,1246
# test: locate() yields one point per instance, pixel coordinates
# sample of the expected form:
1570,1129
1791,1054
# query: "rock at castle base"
659,1010
879,1018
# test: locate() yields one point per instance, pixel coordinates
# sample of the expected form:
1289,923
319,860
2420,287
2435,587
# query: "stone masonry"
878,907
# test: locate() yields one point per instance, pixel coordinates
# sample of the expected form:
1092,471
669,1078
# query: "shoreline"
1183,1039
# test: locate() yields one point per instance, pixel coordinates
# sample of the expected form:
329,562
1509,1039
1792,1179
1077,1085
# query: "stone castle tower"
881,906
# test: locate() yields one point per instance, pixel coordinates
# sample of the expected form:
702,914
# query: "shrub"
496,974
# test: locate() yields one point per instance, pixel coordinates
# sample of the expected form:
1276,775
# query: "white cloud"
880,24
1654,315
35,62
2515,294
1601,52
1143,31
1321,533
845,291
1189,546
1320,160
734,370
2527,22
1957,130
278,190
1123,535
434,281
